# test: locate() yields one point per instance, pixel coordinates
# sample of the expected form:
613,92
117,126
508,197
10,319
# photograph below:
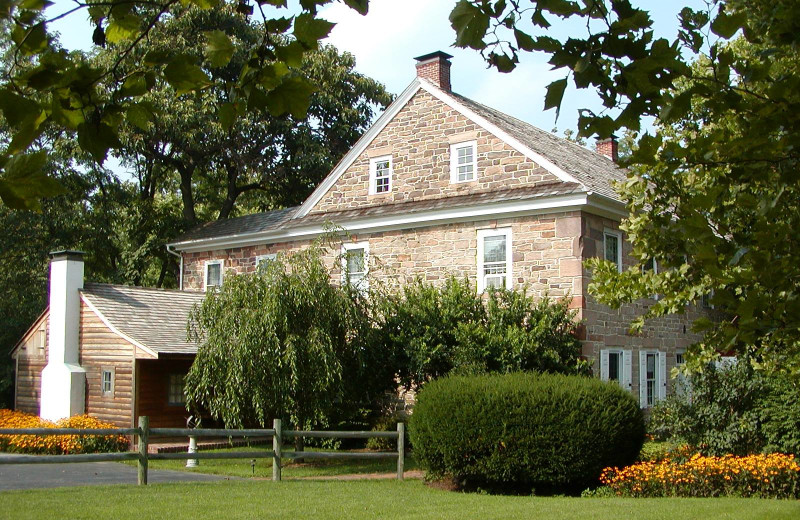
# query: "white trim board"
477,212
115,330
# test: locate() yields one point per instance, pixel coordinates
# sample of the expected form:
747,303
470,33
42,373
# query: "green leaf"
524,41
134,86
122,28
470,24
293,95
292,54
185,76
24,181
16,108
219,48
97,139
361,6
554,95
140,115
27,131
502,62
227,115
31,40
309,30
726,25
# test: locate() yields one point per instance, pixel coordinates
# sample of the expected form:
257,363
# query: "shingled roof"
594,170
154,318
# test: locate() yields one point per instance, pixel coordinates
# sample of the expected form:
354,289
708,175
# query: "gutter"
179,255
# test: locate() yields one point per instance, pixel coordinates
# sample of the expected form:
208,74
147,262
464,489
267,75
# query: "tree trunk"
187,196
299,445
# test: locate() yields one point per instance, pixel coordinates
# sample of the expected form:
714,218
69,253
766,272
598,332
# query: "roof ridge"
138,287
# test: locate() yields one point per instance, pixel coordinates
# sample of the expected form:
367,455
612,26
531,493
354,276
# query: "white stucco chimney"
63,379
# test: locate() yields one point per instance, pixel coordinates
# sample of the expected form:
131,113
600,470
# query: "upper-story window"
264,260
213,275
612,247
355,265
494,259
463,161
380,175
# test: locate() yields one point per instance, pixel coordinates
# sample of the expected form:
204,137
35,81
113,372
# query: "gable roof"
152,319
239,225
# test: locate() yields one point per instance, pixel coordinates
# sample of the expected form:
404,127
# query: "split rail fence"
144,432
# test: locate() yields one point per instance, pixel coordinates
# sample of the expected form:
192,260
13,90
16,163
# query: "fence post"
277,443
401,449
144,426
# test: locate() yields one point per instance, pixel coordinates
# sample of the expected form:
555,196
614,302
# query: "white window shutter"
643,379
627,378
604,365
662,375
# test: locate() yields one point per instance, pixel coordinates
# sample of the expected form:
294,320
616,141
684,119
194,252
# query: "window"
615,365
39,342
463,161
107,382
380,175
494,259
262,261
213,274
652,377
355,265
707,300
612,246
175,395
681,382
650,265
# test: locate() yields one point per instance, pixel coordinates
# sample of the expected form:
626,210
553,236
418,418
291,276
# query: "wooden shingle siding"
101,349
29,364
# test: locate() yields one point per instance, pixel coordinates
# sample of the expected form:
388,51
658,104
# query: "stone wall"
544,254
418,139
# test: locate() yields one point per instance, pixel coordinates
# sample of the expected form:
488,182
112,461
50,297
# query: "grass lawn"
251,499
263,467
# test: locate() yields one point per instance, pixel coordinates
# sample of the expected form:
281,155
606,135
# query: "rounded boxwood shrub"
525,431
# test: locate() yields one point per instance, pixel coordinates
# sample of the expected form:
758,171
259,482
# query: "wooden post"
277,443
144,426
401,449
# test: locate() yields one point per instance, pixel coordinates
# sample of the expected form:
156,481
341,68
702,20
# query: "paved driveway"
31,476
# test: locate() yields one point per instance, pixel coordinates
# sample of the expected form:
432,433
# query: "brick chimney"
63,379
608,147
435,67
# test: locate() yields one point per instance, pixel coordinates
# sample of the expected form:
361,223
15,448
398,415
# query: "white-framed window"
650,265
380,175
355,265
652,377
463,161
706,300
107,382
612,247
39,342
263,260
681,382
175,386
615,365
212,277
494,259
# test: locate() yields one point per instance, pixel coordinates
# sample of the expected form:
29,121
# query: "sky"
386,40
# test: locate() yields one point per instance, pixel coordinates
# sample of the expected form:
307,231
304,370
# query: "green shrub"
523,431
732,409
437,330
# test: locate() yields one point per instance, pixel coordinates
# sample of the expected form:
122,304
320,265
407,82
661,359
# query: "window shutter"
662,375
627,361
604,365
643,379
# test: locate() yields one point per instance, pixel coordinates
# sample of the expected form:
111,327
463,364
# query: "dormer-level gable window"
463,161
380,175
494,259
213,275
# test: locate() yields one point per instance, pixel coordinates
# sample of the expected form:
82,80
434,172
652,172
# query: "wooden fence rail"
144,432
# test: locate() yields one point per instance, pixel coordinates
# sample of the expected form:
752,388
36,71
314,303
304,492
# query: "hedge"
525,431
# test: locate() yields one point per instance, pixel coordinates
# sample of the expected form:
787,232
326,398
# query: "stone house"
440,185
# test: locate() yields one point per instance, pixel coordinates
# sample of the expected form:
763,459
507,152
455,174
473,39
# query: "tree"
713,192
287,343
194,144
63,91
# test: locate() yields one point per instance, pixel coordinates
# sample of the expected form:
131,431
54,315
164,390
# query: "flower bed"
57,444
764,476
